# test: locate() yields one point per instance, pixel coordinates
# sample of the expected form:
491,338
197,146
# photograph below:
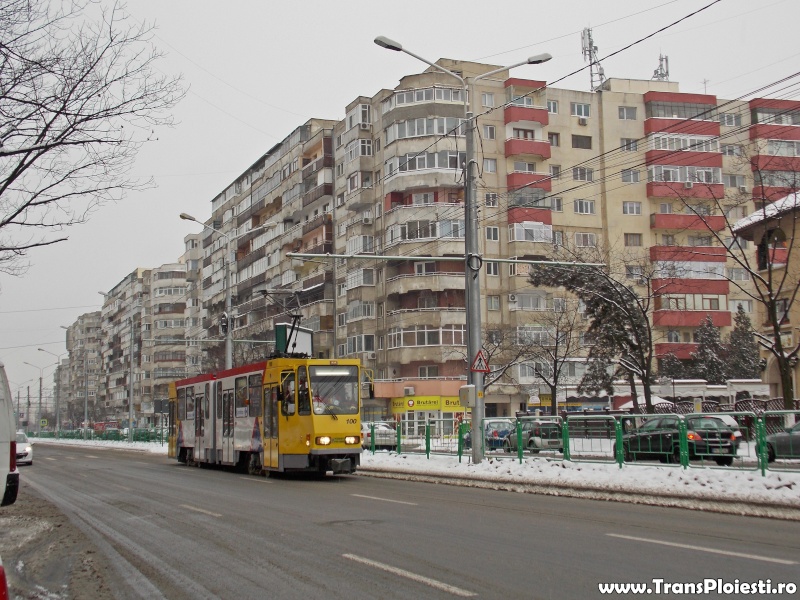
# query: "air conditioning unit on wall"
582,121
688,185
372,355
512,297
408,391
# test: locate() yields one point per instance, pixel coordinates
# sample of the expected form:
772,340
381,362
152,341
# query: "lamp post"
41,370
58,385
130,376
472,259
227,320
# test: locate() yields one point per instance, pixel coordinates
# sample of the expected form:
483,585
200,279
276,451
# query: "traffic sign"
481,363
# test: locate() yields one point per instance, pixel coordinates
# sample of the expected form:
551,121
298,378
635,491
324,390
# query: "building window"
730,119
629,144
488,132
493,302
584,207
585,240
557,204
734,305
673,337
558,238
554,138
732,150
668,239
733,181
552,107
583,174
583,142
627,113
493,268
630,176
487,99
555,171
579,110
631,208
524,167
492,234
490,165
633,239
491,199
633,272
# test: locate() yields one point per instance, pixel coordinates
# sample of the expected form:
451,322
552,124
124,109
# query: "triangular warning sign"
481,363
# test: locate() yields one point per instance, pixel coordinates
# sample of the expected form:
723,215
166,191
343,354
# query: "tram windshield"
334,389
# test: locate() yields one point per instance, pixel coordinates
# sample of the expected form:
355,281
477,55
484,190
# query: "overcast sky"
256,70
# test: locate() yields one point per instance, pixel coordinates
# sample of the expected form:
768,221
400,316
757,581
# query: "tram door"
199,420
227,426
270,413
216,423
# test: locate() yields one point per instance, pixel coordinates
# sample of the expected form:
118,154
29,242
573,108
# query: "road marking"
49,458
256,480
384,499
445,587
92,456
780,561
200,510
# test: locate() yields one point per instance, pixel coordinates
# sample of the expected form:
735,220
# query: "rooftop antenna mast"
662,72
590,54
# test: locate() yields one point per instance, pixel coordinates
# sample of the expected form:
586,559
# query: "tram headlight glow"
352,439
323,440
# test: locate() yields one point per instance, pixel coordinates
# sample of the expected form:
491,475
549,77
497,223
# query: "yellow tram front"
312,415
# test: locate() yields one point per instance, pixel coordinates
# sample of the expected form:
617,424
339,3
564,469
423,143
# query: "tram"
288,413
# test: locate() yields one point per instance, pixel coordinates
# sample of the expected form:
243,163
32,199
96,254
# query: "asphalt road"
172,531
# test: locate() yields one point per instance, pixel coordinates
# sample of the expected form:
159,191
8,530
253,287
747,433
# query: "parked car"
658,438
385,436
9,473
785,444
536,435
24,449
494,433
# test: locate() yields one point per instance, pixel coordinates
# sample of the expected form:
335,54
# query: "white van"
8,442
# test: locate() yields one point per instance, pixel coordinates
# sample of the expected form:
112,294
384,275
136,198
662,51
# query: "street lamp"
41,370
472,258
58,385
227,320
130,377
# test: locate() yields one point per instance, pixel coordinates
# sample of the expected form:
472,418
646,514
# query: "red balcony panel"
693,222
537,180
531,84
679,97
762,131
771,193
515,146
513,113
684,157
690,318
537,215
682,351
658,124
773,103
765,162
693,253
690,286
669,189
779,256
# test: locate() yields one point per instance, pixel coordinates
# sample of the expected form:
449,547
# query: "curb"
733,507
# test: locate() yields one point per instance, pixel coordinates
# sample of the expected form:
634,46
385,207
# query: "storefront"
443,413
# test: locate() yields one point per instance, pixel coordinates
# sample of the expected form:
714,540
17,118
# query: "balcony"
680,189
683,157
535,215
436,282
676,126
690,286
769,162
517,114
680,350
422,387
765,131
322,162
688,253
690,221
518,146
314,194
690,318
517,180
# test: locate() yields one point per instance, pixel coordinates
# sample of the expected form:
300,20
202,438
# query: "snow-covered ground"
738,489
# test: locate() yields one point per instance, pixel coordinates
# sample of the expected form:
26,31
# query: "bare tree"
79,96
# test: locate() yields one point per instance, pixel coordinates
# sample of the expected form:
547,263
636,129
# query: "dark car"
785,444
494,433
536,436
658,438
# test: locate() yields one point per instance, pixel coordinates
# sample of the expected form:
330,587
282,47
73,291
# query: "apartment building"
78,393
371,210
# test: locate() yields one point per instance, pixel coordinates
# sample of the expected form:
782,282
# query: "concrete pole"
130,387
85,392
39,426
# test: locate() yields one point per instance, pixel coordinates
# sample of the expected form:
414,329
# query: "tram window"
205,403
267,412
182,404
241,397
218,412
303,397
254,386
189,404
274,412
287,404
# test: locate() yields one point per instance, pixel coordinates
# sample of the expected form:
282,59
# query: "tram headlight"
323,440
352,439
